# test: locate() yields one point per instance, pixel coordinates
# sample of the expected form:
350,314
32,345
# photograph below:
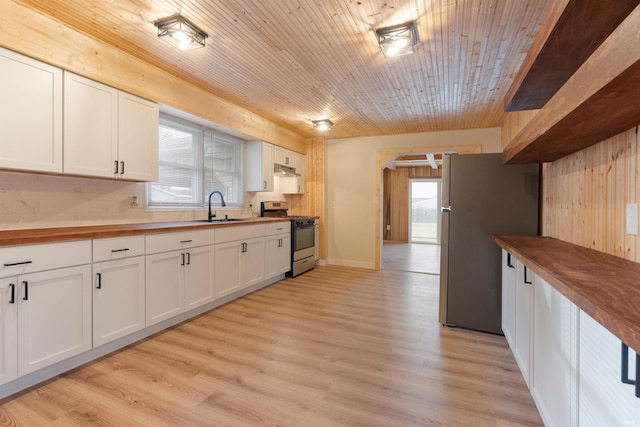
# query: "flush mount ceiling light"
397,40
181,32
322,125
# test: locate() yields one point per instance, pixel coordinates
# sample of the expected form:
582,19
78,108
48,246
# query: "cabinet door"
90,127
271,265
284,253
137,138
604,399
282,156
54,316
300,169
259,171
118,299
8,330
199,277
524,300
252,262
164,286
227,268
553,385
508,298
30,114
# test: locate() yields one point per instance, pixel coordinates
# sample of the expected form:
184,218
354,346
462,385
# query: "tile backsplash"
35,201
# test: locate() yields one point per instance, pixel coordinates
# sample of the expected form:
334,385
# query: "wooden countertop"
59,234
604,286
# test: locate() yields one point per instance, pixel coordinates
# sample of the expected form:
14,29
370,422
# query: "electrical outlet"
388,227
632,219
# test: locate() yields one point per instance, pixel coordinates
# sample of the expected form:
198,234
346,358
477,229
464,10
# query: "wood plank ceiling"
293,61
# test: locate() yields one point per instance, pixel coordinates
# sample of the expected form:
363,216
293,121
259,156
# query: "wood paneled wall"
312,202
396,200
585,194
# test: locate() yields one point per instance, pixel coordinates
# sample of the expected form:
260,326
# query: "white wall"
351,187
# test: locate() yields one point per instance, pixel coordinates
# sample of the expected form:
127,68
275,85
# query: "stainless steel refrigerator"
481,196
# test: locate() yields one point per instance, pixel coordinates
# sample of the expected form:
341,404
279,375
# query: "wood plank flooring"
416,257
333,347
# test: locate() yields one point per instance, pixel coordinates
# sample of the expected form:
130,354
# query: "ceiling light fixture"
322,125
181,32
397,40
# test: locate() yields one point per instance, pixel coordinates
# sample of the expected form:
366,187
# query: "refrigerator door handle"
445,209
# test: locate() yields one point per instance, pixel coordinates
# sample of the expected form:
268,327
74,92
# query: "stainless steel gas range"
302,236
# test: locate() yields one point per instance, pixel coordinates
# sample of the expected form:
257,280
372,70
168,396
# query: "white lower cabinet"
8,330
45,310
178,280
239,258
199,277
118,299
523,320
118,288
554,361
508,297
604,399
54,316
165,284
278,249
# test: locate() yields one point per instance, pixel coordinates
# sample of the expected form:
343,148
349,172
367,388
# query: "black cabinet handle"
119,250
26,291
17,263
509,261
525,276
624,371
13,293
182,263
99,280
186,241
188,258
115,169
244,247
121,168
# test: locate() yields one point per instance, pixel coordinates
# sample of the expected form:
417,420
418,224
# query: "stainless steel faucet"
222,204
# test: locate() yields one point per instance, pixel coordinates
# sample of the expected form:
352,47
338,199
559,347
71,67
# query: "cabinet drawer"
229,234
277,228
23,259
165,242
117,247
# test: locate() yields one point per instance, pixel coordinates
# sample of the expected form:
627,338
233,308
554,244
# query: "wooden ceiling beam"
571,32
599,101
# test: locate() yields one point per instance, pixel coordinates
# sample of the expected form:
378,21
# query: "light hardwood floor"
416,257
333,347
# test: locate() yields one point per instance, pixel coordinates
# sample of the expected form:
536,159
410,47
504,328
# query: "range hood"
282,170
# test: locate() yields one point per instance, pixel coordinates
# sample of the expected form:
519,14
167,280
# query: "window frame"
203,135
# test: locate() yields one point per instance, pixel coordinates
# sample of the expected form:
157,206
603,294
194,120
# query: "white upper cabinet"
30,114
138,121
282,156
259,161
108,133
90,127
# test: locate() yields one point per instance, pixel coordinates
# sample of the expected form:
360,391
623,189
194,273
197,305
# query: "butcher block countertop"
59,234
604,286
